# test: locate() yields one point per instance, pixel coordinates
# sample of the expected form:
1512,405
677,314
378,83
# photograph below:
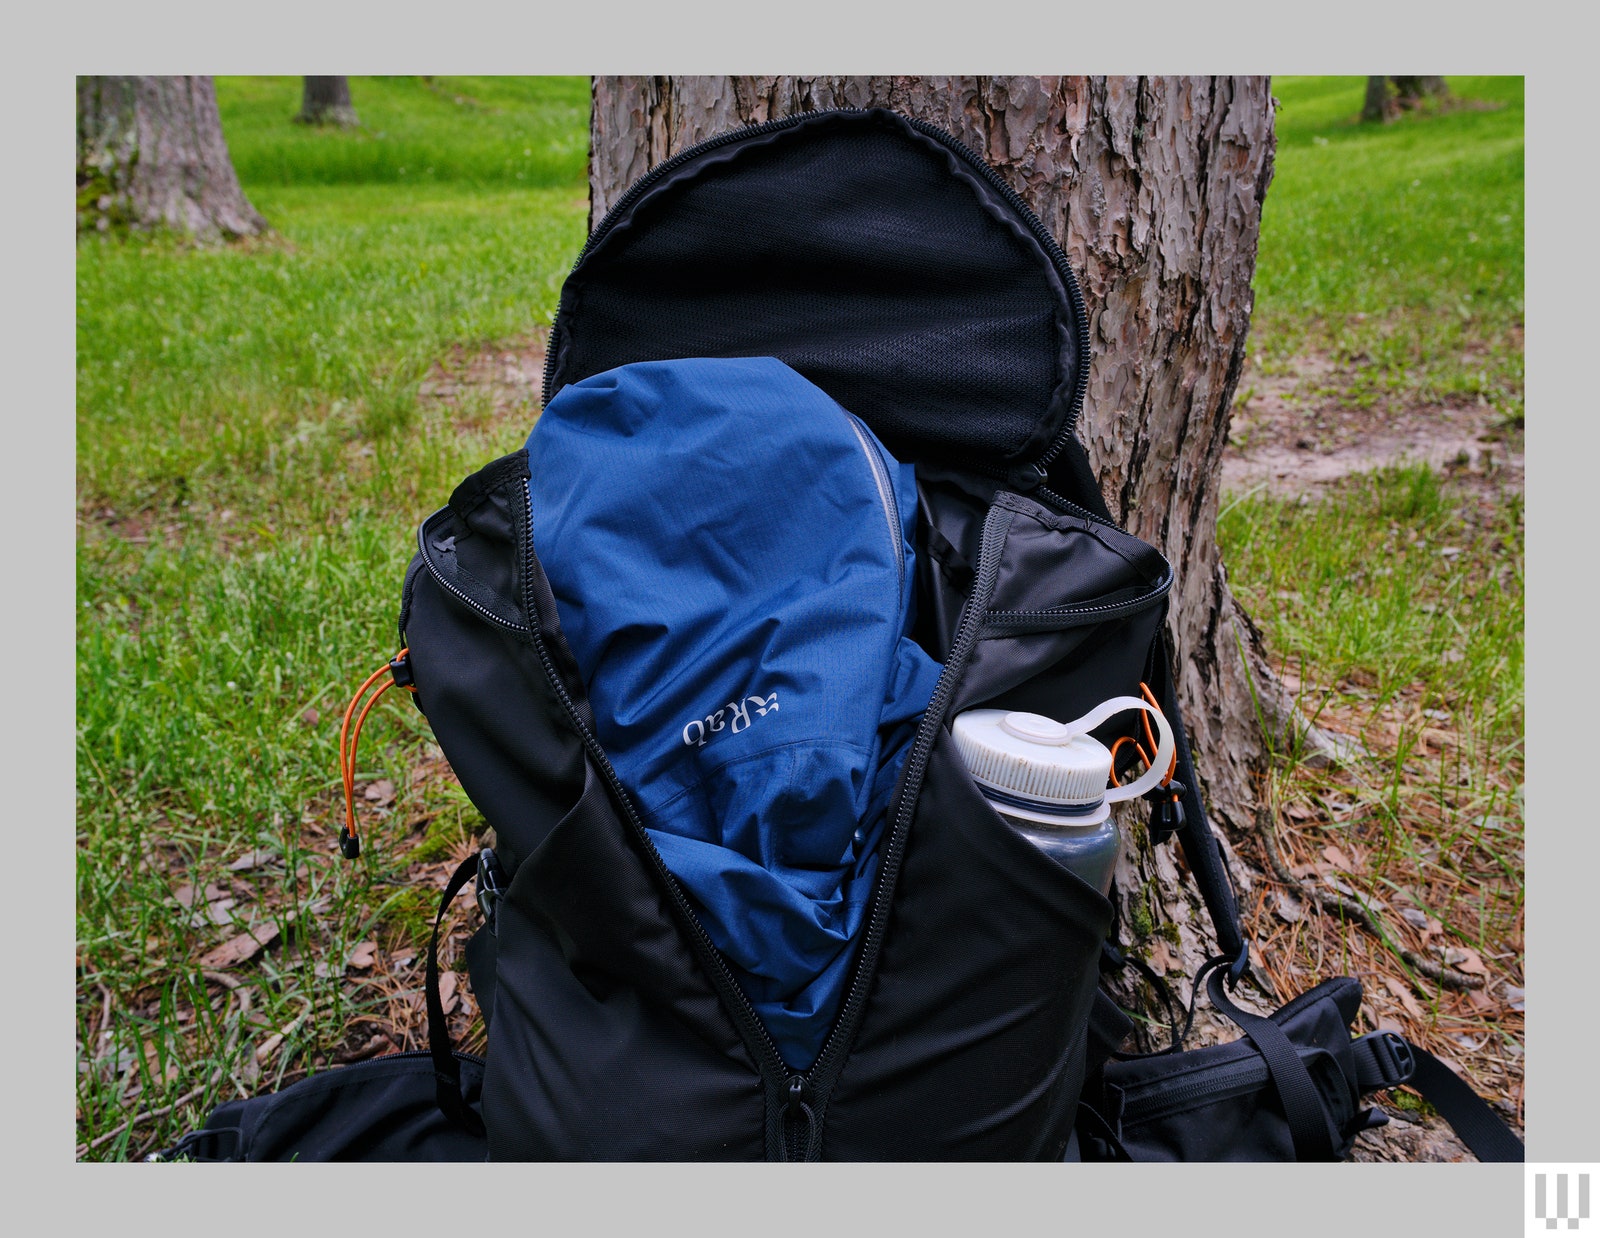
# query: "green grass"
491,132
1397,248
253,458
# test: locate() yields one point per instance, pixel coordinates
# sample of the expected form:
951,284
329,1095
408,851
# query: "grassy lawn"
1390,281
1397,249
253,457
257,440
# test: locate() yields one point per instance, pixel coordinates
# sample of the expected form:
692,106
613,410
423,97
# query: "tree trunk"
1409,93
326,101
151,154
1154,186
1376,106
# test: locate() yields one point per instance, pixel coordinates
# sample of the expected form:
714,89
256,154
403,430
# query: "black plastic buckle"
400,671
487,887
349,847
1394,1055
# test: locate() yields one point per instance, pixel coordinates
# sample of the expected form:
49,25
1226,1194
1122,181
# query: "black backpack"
893,268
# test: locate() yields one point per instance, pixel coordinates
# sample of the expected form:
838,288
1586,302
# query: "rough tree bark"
1154,187
151,154
326,101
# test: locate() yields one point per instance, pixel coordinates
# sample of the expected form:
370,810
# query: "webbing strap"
1302,1103
446,1068
1200,847
1385,1060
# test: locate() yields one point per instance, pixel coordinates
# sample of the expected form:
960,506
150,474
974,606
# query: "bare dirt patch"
1292,434
500,382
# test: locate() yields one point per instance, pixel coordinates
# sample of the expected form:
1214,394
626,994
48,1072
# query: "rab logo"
1562,1207
735,716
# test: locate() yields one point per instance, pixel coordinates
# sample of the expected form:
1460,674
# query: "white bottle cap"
1048,771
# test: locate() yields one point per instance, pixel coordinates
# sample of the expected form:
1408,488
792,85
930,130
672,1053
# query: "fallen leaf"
1515,998
1343,888
380,793
1481,1001
240,949
447,991
362,956
311,717
1298,812
1464,959
1290,910
251,859
217,912
184,896
1336,857
1404,996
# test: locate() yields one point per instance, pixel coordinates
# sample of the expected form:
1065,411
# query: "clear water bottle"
1048,780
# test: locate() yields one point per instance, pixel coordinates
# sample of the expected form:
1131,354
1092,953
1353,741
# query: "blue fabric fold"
731,557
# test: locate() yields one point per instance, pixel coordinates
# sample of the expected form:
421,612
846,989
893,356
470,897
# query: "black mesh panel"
846,247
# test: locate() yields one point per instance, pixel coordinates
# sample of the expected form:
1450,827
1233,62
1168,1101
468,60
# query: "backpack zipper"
800,1089
820,1077
1018,476
754,1033
1162,1098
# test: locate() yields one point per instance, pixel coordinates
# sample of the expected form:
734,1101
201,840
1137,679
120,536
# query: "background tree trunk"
1376,105
1154,187
1408,93
326,101
151,154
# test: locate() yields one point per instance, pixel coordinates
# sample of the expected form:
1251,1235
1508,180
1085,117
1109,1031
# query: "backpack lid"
875,254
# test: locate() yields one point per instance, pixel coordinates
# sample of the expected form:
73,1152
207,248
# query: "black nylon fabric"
607,1042
865,255
882,266
971,1047
382,1110
1218,1103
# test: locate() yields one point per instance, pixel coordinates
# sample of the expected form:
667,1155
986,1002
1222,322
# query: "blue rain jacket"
731,557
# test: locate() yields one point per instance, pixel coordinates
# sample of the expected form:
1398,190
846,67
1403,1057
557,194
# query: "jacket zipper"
1058,259
995,527
891,506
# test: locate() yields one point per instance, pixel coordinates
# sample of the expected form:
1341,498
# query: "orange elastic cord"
1149,735
1137,747
349,836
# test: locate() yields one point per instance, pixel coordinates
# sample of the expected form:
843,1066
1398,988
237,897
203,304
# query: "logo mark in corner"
1557,1197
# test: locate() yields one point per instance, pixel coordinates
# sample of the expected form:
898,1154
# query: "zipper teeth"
1237,1078
1063,612
891,506
733,995
916,768
592,745
1068,505
455,591
1052,249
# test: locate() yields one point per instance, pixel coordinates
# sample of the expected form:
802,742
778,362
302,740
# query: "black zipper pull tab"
799,1094
1023,478
807,1148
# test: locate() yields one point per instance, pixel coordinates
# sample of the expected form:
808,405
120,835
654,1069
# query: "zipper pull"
1023,478
799,1094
